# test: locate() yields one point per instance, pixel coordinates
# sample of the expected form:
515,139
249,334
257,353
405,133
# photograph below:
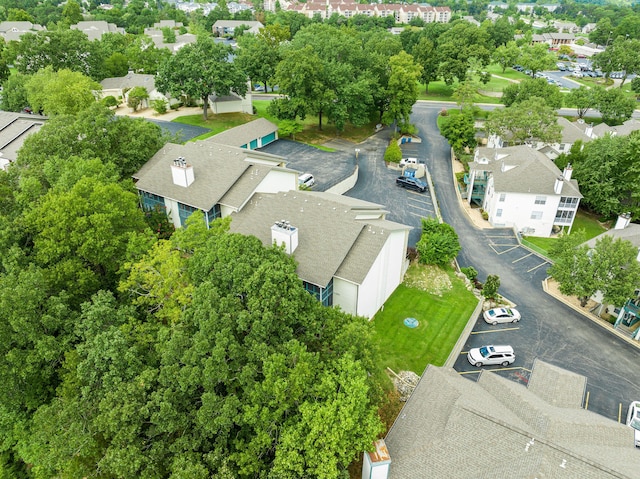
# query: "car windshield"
492,312
635,420
485,351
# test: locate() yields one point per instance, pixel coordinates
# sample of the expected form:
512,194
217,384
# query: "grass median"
441,304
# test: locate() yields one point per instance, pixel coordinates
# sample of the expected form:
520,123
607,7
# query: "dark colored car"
413,183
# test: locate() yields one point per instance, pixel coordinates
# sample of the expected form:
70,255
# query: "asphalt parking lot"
328,168
552,332
376,182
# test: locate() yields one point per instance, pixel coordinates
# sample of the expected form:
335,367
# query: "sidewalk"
151,113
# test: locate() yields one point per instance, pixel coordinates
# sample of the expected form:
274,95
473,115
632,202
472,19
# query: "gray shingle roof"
217,169
625,129
330,237
130,80
243,134
14,128
521,169
572,132
630,233
495,428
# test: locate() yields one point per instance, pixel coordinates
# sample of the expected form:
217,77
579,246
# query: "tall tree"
528,121
459,130
607,172
621,55
95,133
58,49
538,87
199,70
583,99
462,44
62,92
537,58
506,55
403,87
614,106
425,55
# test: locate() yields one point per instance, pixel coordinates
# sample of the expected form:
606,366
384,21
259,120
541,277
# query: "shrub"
176,105
444,112
485,215
438,244
159,105
491,285
470,272
110,101
393,154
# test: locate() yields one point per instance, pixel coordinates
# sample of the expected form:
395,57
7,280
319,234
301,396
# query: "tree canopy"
62,92
528,121
199,70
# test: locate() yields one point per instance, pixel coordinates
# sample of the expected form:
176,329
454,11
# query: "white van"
306,180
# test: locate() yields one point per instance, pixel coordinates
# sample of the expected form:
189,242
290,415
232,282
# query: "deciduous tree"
538,87
62,92
527,121
200,70
583,99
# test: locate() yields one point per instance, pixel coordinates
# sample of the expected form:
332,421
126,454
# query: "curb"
464,335
600,322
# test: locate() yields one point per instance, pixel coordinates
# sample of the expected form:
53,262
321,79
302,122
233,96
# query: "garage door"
253,145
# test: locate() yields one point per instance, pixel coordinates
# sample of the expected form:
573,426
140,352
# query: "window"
568,202
502,196
564,216
499,213
324,295
151,201
536,215
184,211
541,200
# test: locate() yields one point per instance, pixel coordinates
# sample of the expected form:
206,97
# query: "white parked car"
633,421
306,180
488,355
408,162
501,315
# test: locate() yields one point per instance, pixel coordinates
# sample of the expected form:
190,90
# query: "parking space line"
418,215
494,331
501,236
520,259
507,250
419,202
536,267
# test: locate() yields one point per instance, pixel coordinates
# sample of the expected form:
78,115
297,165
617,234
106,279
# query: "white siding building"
521,188
348,254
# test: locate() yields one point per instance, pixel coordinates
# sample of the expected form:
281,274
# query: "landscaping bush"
160,106
110,101
393,154
470,272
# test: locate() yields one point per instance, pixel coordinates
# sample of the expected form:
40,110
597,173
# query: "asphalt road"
549,329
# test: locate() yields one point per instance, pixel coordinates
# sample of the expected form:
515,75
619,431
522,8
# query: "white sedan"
633,421
501,315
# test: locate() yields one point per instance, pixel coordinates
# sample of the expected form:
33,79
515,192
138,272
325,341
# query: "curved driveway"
549,330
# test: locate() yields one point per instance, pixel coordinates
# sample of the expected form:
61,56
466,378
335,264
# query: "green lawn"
584,221
441,321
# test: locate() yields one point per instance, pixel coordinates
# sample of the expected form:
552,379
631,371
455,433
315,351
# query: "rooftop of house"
572,132
220,171
243,134
130,80
457,428
94,29
337,235
236,23
522,169
630,233
14,128
625,129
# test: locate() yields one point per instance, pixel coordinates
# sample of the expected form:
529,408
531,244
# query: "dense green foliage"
438,243
610,267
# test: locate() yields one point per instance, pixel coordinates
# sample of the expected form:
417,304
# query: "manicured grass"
495,69
584,221
441,321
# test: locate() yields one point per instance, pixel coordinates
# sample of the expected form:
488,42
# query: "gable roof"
625,129
455,428
217,169
94,29
334,238
130,80
521,169
14,128
243,134
572,132
630,233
